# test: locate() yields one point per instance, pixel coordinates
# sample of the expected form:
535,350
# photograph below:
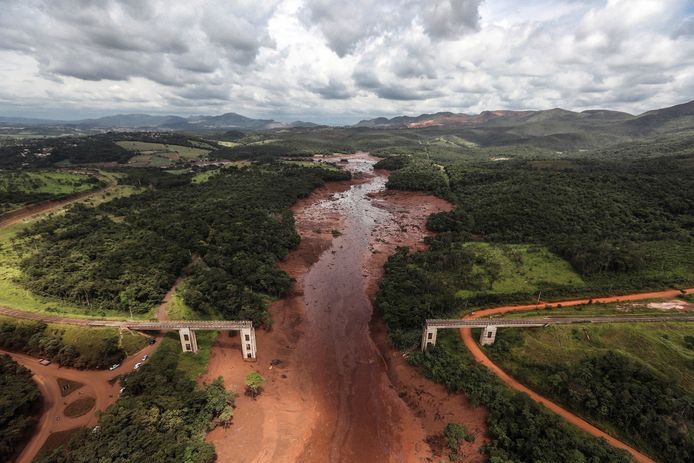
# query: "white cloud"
342,60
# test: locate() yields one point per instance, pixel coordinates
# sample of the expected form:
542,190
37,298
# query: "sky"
341,61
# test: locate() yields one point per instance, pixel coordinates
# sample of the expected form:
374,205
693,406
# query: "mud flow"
336,391
359,416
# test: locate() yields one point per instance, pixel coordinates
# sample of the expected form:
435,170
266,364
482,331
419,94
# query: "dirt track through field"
480,356
44,207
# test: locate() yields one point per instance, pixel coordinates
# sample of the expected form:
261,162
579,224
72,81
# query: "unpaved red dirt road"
336,391
479,355
44,207
97,384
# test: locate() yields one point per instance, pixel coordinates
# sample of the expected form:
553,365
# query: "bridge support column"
428,337
189,342
488,335
248,343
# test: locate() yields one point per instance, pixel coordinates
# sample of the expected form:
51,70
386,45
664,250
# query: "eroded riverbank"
335,392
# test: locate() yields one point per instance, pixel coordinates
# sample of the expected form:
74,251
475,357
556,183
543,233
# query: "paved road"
479,355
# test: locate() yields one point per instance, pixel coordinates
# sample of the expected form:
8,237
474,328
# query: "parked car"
114,366
121,390
145,358
137,365
151,341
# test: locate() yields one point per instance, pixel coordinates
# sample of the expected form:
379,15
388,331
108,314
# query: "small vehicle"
44,362
114,366
151,341
137,366
145,358
121,390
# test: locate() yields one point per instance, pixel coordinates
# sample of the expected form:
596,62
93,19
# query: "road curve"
97,383
479,355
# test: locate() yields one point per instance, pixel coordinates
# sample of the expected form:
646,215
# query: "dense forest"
127,253
622,225
161,417
18,188
519,429
642,405
40,340
47,152
20,403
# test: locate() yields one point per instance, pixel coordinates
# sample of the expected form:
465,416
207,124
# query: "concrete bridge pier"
488,335
428,336
189,342
248,343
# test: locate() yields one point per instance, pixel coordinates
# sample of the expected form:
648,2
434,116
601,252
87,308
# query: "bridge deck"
520,322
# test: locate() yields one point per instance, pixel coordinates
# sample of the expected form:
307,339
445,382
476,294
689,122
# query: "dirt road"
44,207
97,384
335,390
479,355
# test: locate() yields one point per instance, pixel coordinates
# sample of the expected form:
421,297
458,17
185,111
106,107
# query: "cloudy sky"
340,61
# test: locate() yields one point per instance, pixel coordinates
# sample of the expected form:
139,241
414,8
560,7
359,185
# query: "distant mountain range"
524,123
148,122
545,117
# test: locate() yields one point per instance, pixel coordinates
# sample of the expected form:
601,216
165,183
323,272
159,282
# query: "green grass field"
15,296
192,365
132,342
517,268
87,341
159,154
658,346
18,189
636,308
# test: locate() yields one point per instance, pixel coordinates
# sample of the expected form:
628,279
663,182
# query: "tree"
254,382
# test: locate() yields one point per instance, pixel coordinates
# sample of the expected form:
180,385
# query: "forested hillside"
125,254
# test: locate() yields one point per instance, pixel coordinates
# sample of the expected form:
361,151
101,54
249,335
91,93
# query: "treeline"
418,175
520,430
46,152
647,409
127,253
162,416
20,404
40,340
602,216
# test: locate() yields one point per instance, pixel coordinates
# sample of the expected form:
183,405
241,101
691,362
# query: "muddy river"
335,391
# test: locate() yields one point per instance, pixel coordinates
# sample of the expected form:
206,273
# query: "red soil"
479,355
97,384
339,391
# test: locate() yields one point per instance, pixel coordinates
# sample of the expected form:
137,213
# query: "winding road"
480,356
99,384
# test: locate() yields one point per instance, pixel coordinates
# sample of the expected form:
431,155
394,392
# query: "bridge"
490,325
186,328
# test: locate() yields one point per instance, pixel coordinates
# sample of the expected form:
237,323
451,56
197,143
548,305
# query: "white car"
121,390
145,358
137,365
114,366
